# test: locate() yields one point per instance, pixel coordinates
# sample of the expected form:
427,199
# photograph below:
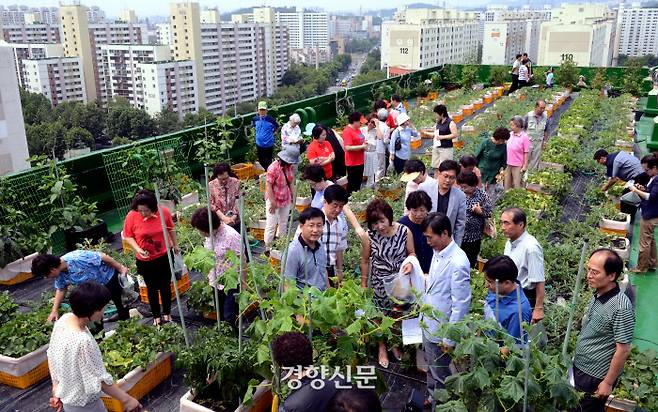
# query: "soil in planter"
619,243
207,398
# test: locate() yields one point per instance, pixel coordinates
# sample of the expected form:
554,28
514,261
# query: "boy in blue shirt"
503,269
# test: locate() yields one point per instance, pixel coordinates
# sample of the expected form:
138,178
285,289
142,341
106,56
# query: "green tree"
46,139
78,138
498,75
36,108
469,76
90,117
632,82
599,81
118,141
199,118
369,77
126,121
567,74
166,122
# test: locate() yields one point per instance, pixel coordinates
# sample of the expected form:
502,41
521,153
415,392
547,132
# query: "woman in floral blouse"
224,191
226,243
478,209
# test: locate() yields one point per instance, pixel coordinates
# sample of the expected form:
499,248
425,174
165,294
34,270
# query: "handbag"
398,142
179,266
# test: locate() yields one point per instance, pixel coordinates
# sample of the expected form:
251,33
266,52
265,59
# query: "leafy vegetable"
24,333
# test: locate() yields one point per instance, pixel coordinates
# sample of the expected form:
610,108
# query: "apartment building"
420,38
636,30
306,29
509,32
584,33
58,78
120,68
169,85
13,143
30,33
163,33
233,62
24,51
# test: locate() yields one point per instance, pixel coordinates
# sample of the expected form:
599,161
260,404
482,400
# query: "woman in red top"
142,230
320,152
355,148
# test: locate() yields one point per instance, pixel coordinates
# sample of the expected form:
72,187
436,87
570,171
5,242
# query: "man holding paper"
447,289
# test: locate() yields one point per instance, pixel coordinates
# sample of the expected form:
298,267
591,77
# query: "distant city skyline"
146,8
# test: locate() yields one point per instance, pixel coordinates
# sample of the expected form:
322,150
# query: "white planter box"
190,199
624,253
303,201
169,204
262,401
24,364
342,181
615,225
17,267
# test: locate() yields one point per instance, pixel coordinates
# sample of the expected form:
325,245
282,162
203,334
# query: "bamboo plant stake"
574,300
212,244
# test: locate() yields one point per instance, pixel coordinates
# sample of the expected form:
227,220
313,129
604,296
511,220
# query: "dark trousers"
228,306
515,83
157,275
472,249
588,384
354,178
265,155
116,291
523,83
398,164
531,294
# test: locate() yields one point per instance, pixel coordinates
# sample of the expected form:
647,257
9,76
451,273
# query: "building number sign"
567,56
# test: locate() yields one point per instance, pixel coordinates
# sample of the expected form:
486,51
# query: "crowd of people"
446,217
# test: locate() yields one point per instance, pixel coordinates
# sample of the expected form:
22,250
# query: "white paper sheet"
411,331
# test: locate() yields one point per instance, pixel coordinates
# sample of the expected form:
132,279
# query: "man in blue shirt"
396,104
265,126
506,312
81,266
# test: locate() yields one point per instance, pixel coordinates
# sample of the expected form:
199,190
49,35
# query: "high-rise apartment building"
95,14
584,33
306,29
509,32
77,43
30,33
58,78
24,51
128,16
163,33
121,72
636,30
420,38
13,143
169,85
232,60
277,51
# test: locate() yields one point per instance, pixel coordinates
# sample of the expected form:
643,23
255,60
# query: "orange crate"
416,144
616,232
209,314
458,144
36,375
183,286
393,194
488,99
243,171
258,233
21,277
477,105
153,377
427,133
457,117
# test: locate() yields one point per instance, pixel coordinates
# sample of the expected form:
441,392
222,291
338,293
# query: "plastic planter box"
624,253
17,271
140,381
258,230
25,371
613,226
190,199
261,402
183,286
302,203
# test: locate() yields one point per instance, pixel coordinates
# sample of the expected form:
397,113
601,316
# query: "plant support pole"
526,347
574,300
251,259
212,246
171,266
241,257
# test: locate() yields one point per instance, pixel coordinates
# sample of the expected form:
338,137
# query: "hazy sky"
145,8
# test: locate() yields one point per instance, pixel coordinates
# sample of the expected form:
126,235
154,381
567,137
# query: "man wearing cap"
278,193
414,174
265,127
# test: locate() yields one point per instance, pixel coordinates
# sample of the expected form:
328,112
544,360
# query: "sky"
145,8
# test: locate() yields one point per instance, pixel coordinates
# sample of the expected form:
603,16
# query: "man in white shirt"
414,174
515,73
447,289
528,255
382,144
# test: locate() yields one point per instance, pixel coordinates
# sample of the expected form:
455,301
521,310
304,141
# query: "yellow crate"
416,144
126,247
36,375
146,384
458,144
243,171
21,277
183,286
258,233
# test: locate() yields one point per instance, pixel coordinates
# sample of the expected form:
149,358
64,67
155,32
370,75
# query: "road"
355,66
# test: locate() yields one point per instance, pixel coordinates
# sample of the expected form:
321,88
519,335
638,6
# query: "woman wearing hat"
400,145
320,152
280,180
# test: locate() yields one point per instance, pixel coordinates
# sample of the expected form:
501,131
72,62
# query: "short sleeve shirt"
84,265
517,145
280,178
148,232
528,255
353,137
324,149
609,319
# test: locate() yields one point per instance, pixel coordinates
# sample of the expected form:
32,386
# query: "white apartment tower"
584,33
636,30
58,78
24,51
420,38
307,29
121,68
13,143
169,85
163,31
